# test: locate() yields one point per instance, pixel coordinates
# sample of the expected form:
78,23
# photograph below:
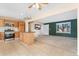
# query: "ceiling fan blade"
40,7
31,5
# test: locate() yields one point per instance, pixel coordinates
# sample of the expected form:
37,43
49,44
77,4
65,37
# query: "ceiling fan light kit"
37,5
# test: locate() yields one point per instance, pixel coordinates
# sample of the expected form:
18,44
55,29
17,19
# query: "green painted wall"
52,28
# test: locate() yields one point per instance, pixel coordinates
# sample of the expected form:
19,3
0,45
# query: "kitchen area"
13,30
10,28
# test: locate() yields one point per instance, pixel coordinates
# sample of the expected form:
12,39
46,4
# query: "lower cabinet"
1,35
17,34
21,26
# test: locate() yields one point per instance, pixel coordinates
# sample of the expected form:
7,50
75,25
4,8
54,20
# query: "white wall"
44,30
54,18
37,32
71,14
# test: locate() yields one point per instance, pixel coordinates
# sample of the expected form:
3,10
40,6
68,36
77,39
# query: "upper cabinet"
20,25
16,23
1,23
11,23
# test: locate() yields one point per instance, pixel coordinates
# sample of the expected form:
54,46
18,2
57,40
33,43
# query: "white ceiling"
20,10
12,9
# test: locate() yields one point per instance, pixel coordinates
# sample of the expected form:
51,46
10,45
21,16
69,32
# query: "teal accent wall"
52,28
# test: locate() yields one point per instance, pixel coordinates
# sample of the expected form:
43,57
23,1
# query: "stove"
9,34
9,30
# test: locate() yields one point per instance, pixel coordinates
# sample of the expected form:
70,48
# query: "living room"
28,29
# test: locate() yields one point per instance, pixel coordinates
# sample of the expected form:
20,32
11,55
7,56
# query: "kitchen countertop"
27,32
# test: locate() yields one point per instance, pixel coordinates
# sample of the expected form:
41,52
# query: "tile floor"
44,46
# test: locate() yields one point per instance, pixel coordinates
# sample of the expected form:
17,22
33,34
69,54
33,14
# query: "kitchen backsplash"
2,29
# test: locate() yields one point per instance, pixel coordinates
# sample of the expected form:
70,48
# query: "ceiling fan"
37,5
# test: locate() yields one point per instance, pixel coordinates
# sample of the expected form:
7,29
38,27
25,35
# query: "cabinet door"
21,26
1,35
17,34
1,23
16,24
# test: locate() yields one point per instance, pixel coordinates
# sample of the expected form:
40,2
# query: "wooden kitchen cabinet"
1,33
16,24
13,23
17,34
1,36
1,23
21,26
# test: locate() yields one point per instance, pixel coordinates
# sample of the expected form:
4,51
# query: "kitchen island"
27,37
